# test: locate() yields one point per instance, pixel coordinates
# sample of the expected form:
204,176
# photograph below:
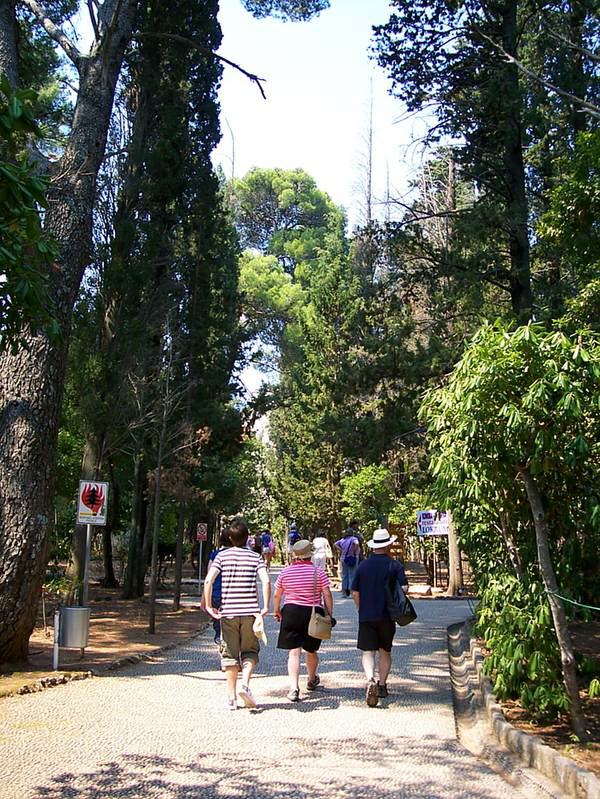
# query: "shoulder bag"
319,626
397,604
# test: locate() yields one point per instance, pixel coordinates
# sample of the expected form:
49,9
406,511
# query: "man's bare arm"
208,584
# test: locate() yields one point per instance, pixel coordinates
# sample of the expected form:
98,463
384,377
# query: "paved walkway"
159,730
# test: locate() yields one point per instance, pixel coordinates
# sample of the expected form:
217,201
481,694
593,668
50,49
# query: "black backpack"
398,605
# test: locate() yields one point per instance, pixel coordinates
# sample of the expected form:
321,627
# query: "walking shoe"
382,691
231,704
312,684
294,695
372,694
245,694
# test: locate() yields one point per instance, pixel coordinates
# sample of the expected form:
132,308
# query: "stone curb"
532,751
128,660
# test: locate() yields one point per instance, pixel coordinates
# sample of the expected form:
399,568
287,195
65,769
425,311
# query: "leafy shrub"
514,621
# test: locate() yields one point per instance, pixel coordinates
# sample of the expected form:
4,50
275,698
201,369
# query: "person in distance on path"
375,628
239,568
304,585
321,550
349,549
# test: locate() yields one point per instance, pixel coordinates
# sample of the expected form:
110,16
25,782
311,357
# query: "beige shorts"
238,641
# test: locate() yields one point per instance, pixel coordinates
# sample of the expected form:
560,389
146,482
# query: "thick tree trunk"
8,42
514,171
31,381
558,612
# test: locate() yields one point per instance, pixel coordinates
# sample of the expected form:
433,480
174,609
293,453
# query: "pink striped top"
297,582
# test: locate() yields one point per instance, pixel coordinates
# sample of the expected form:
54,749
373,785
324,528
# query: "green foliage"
594,688
283,213
405,509
26,255
368,496
514,620
569,226
295,10
570,221
519,399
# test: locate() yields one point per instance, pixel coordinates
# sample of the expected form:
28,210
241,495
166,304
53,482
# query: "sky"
319,81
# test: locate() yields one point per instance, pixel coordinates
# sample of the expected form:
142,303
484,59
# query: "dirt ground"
118,629
558,733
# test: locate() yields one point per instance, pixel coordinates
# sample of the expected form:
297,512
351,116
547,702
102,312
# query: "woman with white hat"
304,586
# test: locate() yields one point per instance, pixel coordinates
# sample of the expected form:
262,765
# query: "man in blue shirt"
375,628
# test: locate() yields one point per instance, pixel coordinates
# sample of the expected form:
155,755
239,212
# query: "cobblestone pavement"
160,730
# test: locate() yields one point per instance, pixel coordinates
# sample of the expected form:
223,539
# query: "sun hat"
303,548
381,538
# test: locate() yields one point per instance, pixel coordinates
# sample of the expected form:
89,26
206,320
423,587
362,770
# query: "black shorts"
374,635
293,632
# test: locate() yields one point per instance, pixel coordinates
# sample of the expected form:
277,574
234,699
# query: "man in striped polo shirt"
239,568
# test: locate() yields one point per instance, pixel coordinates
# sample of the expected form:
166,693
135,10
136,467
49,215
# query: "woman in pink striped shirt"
303,585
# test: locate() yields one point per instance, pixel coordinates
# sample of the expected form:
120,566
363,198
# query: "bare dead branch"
207,51
93,19
587,53
55,33
587,107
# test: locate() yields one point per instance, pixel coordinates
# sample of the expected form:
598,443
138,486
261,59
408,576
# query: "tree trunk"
8,42
156,529
109,580
514,171
179,556
135,565
558,612
455,575
31,381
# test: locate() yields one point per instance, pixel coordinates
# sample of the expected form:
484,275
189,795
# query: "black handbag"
398,605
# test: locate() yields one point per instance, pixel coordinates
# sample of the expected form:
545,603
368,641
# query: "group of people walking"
300,587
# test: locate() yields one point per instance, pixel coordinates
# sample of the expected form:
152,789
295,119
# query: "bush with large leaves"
515,436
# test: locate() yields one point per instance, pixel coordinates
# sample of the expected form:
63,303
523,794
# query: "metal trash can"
74,627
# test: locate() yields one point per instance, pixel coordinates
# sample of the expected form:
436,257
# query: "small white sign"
433,522
92,502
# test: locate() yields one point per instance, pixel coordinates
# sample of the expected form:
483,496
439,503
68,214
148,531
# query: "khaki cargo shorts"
238,641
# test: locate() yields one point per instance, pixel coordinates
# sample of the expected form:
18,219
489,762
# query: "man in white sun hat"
375,628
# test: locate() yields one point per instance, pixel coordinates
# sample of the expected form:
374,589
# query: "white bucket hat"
381,538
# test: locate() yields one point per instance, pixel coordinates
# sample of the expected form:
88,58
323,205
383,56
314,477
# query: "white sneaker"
231,704
245,694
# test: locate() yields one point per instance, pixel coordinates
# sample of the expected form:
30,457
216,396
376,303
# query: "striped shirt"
239,567
298,584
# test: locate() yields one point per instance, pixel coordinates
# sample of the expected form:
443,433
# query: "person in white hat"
375,628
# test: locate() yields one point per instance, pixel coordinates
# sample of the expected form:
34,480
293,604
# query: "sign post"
433,524
201,537
92,505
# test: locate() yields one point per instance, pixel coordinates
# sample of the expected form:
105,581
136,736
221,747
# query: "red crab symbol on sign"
93,497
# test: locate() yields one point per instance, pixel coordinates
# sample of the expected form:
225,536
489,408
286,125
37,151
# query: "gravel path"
160,729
